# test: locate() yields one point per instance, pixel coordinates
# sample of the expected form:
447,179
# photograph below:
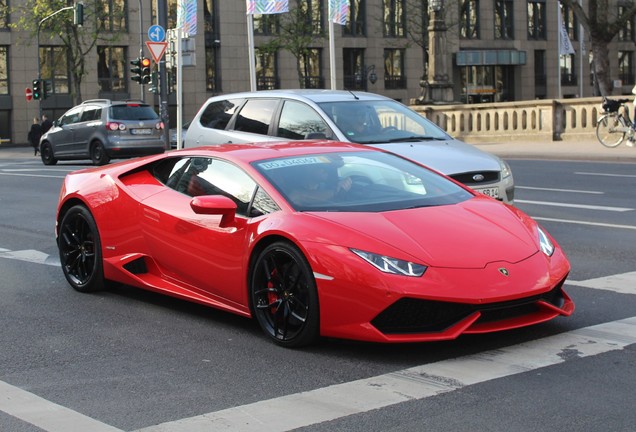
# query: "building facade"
495,50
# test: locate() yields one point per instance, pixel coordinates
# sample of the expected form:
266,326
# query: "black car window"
72,116
91,113
218,114
297,120
207,176
255,116
132,112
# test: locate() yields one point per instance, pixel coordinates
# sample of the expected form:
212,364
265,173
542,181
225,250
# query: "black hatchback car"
101,130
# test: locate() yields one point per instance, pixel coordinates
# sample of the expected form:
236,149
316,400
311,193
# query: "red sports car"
312,239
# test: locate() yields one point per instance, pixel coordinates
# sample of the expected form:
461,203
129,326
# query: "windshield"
358,181
381,121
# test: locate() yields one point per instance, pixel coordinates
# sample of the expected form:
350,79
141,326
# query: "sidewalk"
581,150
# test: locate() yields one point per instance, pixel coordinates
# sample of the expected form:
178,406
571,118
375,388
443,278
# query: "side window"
72,116
218,114
297,120
90,114
256,115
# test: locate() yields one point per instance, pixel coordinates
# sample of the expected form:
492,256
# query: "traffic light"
145,71
47,89
154,83
78,14
37,89
141,70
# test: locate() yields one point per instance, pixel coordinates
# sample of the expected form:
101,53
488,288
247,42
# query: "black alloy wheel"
283,296
98,154
80,250
46,154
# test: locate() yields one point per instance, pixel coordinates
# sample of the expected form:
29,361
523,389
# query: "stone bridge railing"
536,120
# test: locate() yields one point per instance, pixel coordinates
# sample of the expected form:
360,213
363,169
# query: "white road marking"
599,224
30,175
340,400
45,414
621,283
605,175
581,206
560,190
30,255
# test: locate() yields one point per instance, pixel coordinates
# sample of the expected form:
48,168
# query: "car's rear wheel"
98,154
284,296
80,250
46,153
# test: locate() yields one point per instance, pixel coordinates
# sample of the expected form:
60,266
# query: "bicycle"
614,124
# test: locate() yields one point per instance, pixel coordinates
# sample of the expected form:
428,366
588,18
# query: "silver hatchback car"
101,130
358,117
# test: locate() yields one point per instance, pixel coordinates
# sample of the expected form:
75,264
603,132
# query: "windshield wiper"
411,138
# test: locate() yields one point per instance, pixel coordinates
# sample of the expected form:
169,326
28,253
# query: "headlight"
505,169
544,242
391,265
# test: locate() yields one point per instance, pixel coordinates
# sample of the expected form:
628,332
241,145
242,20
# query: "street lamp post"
438,85
366,73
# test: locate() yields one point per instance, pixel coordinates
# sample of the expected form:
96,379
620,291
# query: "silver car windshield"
381,121
358,181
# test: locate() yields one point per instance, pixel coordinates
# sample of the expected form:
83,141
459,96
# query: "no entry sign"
28,93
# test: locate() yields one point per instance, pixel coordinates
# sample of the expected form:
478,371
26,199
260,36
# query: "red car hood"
466,235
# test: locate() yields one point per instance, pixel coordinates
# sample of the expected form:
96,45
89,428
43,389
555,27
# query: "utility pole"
162,18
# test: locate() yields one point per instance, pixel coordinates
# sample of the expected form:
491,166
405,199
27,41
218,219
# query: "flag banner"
338,11
565,45
187,16
267,6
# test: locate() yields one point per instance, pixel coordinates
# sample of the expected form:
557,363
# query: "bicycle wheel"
608,130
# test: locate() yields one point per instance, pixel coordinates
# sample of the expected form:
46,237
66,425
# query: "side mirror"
215,205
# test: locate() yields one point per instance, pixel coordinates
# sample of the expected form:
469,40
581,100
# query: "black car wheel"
284,297
80,250
98,154
46,153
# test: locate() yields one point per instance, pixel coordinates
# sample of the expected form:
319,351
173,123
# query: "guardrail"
536,120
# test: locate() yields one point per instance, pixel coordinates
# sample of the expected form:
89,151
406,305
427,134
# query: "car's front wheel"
98,154
80,250
46,153
283,295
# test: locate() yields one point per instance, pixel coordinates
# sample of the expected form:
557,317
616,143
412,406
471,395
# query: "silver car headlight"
505,169
391,265
544,243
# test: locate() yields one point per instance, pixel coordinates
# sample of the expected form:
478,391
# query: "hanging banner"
338,11
565,45
187,16
267,6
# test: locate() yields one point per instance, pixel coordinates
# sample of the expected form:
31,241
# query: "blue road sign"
156,33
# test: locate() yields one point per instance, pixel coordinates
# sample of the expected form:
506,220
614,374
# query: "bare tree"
601,20
60,29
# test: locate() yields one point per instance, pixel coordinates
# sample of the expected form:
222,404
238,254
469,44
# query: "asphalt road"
128,360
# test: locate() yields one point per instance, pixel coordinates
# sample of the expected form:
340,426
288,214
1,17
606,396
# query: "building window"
503,19
266,70
469,19
111,69
569,22
113,16
310,63
266,24
54,66
4,70
539,68
212,81
394,14
625,66
212,46
394,77
4,14
356,24
311,10
568,76
353,66
626,33
209,16
536,19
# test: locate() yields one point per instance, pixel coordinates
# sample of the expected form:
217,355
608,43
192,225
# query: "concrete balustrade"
537,120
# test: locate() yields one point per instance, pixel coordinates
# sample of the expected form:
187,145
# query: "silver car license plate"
141,131
491,192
